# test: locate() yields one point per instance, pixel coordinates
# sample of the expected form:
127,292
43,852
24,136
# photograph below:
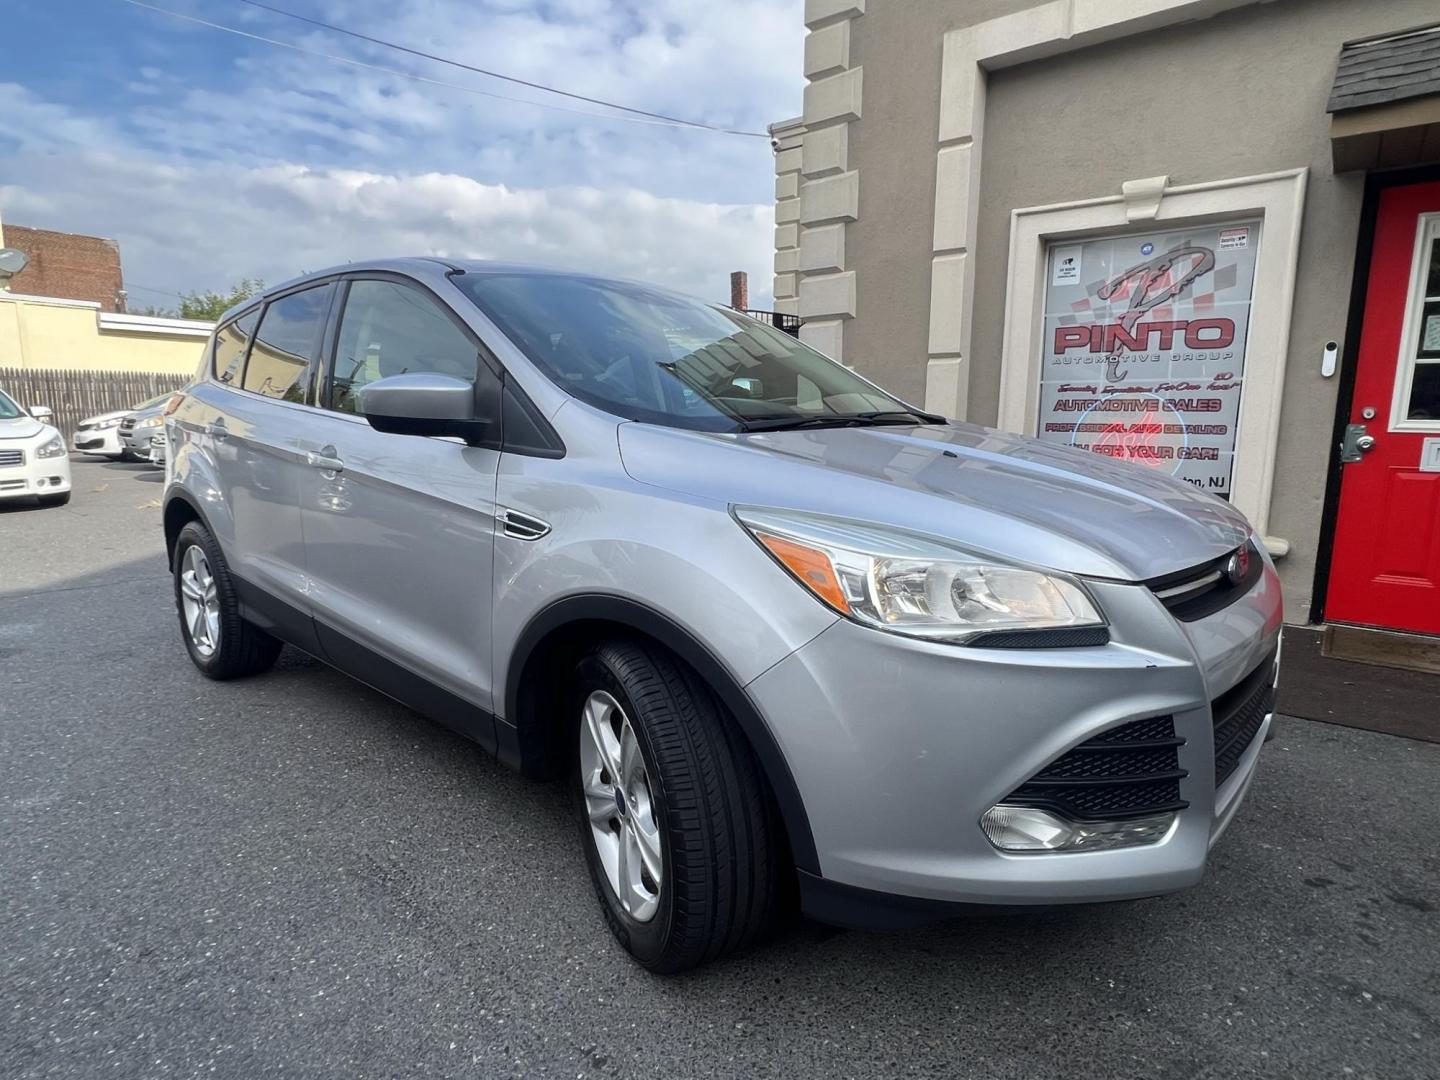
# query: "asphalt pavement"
292,876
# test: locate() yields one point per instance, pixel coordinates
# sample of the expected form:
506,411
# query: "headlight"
52,448
150,421
107,424
916,585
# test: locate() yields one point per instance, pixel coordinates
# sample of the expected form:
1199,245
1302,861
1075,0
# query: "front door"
1386,566
400,529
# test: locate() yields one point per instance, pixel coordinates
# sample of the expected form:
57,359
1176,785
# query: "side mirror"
42,412
422,403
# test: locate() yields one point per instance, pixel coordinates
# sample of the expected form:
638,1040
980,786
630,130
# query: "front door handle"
216,430
327,458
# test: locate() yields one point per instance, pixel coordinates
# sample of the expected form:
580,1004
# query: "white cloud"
204,226
227,158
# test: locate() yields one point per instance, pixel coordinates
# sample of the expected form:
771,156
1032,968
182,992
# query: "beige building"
70,321
1201,235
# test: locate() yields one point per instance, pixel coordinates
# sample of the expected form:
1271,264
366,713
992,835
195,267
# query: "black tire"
54,500
244,649
719,837
126,455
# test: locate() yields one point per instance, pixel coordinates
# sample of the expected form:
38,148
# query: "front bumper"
36,476
899,746
96,441
137,440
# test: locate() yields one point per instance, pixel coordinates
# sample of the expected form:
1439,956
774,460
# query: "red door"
1386,566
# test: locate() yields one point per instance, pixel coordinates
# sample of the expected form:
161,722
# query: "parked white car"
100,434
33,460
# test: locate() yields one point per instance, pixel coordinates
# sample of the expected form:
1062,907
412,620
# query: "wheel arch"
180,510
560,632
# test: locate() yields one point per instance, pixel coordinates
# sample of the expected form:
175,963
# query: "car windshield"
152,403
8,409
650,355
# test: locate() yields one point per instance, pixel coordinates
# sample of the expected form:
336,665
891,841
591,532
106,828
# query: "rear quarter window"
231,341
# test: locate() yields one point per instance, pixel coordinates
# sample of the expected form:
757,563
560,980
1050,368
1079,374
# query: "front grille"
1238,714
1129,771
1205,589
11,458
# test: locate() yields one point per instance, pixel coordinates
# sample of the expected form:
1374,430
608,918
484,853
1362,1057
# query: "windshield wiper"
903,416
868,419
791,423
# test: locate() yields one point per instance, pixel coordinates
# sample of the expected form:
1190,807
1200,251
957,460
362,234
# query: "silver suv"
786,637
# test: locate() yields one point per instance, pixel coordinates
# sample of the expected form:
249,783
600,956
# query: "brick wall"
67,265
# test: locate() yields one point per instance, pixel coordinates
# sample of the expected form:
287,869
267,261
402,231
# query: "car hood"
990,491
21,427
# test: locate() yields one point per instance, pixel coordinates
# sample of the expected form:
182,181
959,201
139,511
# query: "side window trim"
485,358
316,346
244,358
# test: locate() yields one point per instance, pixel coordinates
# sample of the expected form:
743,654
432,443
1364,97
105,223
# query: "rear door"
255,441
1385,570
400,529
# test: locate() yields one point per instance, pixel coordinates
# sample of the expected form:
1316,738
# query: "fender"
525,747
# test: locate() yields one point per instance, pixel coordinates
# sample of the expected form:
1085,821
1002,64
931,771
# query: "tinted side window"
287,344
230,342
392,329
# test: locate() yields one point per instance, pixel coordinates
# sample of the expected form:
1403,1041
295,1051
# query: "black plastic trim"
528,746
854,908
1224,592
1063,637
414,691
363,664
276,616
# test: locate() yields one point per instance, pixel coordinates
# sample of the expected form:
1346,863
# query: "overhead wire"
496,74
628,116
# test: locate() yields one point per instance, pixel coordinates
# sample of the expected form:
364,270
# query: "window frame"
259,309
485,359
318,360
1427,232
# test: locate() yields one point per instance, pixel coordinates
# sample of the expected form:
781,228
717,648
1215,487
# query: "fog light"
1026,829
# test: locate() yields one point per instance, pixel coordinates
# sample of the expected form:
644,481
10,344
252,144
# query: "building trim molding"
968,55
154,324
820,289
1278,199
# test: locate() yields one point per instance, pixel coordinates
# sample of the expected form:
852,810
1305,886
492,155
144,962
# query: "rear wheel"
673,815
222,644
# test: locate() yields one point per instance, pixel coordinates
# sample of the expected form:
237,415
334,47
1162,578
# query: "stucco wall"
893,146
1239,94
37,334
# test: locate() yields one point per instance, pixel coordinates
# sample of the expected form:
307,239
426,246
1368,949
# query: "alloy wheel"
200,601
621,806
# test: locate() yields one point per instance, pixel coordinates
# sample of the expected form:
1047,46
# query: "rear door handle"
325,458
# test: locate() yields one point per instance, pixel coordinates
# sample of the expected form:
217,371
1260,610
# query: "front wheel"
673,814
222,644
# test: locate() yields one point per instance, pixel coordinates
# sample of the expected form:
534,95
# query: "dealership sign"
1144,352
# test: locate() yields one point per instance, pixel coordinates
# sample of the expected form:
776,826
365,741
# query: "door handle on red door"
326,458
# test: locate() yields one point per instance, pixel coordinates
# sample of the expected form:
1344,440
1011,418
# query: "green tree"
210,305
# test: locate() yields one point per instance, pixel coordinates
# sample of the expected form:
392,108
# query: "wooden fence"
74,395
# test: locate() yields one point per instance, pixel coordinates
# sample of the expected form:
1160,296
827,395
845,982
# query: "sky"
211,157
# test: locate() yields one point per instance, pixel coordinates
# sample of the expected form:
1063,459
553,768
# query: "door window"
393,329
287,344
1418,390
231,341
